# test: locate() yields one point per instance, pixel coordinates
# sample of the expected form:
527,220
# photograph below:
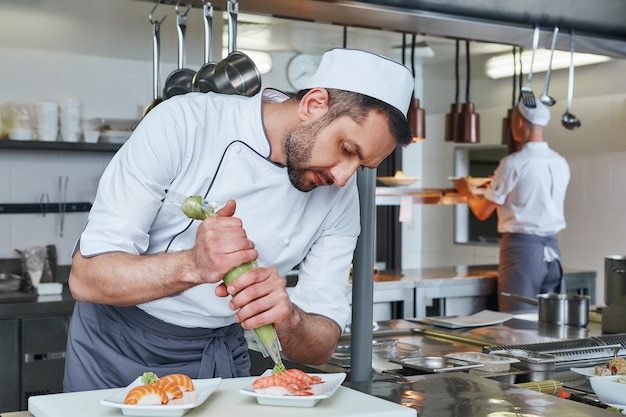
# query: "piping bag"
195,207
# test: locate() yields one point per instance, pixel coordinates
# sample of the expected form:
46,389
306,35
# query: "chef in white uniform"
148,280
528,191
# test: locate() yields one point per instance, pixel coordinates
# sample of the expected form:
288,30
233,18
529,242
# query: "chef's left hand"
261,297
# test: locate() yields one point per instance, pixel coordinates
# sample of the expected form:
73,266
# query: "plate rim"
202,397
339,376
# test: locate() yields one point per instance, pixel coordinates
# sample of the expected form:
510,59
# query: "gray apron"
111,346
529,265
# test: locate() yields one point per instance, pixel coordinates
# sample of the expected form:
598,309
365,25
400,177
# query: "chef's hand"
259,297
464,187
221,245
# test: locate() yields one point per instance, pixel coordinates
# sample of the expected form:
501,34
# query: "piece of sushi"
171,389
183,381
146,395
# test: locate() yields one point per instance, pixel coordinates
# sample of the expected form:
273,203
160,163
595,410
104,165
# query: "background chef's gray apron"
529,265
111,346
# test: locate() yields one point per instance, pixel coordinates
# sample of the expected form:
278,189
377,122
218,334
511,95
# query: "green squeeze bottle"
195,207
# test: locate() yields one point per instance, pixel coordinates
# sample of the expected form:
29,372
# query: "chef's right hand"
221,245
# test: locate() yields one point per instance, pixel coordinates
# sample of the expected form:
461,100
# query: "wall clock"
300,69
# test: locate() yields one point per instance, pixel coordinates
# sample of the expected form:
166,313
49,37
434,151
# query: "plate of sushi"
293,388
168,396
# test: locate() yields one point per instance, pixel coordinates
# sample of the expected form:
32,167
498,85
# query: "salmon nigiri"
183,381
146,395
170,388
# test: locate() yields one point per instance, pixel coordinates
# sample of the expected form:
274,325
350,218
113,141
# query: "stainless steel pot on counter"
560,309
614,278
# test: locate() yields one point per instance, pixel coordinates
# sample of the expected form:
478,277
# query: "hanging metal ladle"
568,120
545,97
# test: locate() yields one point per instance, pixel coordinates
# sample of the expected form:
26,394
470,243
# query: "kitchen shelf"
393,196
58,146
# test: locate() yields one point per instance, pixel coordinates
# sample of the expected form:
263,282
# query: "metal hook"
44,200
182,14
150,16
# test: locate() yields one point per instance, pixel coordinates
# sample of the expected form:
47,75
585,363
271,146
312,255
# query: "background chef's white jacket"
215,146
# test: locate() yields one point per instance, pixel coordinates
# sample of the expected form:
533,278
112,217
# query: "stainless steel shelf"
58,146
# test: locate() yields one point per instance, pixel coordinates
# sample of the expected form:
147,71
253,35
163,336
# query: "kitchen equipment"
545,97
540,366
180,80
10,282
203,79
455,108
346,402
568,120
526,93
156,61
507,133
436,364
467,123
237,73
614,278
560,309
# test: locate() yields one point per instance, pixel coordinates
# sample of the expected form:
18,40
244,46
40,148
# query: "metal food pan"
436,364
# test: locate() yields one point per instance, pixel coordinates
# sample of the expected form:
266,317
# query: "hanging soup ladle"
568,120
156,63
203,79
545,97
180,81
237,73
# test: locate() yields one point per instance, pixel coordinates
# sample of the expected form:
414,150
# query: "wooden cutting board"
225,401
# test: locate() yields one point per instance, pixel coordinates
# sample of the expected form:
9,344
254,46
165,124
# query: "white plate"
175,408
480,319
588,372
398,181
320,391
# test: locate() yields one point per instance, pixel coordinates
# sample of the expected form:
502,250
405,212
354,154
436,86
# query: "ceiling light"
261,59
501,66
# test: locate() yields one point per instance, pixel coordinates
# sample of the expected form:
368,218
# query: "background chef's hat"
365,73
539,115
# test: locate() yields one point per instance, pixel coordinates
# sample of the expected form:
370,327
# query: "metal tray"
436,364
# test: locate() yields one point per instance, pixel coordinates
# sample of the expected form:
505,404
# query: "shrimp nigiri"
146,395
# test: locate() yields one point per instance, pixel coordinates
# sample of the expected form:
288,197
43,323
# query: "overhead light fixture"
416,115
261,59
501,66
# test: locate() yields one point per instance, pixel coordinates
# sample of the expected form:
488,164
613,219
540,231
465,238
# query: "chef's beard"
299,143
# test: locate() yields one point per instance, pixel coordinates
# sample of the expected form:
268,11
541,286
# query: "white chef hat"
365,73
539,115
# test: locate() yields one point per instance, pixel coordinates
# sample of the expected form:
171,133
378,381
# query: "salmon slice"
183,381
146,395
171,389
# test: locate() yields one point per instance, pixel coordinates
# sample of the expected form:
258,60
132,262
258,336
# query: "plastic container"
493,363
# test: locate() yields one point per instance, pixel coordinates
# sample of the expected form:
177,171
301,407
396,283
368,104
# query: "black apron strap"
111,346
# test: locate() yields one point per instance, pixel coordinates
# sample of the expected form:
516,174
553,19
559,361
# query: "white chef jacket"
215,146
529,187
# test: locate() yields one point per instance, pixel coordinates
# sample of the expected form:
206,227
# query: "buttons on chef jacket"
286,241
238,148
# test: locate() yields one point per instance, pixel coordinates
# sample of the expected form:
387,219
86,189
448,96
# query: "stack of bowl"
47,115
71,118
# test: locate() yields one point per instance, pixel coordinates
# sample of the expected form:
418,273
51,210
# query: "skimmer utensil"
526,92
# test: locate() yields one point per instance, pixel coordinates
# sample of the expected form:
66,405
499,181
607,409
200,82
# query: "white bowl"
20,133
608,390
91,136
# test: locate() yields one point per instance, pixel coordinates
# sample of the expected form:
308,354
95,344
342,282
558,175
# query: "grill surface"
575,351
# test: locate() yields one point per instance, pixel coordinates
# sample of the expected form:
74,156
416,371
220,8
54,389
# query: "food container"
111,130
541,366
508,377
609,389
492,363
392,349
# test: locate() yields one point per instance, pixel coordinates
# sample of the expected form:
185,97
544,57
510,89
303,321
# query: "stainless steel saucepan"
180,80
560,309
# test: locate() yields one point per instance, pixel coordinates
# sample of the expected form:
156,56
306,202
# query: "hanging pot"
203,79
237,73
507,133
180,81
